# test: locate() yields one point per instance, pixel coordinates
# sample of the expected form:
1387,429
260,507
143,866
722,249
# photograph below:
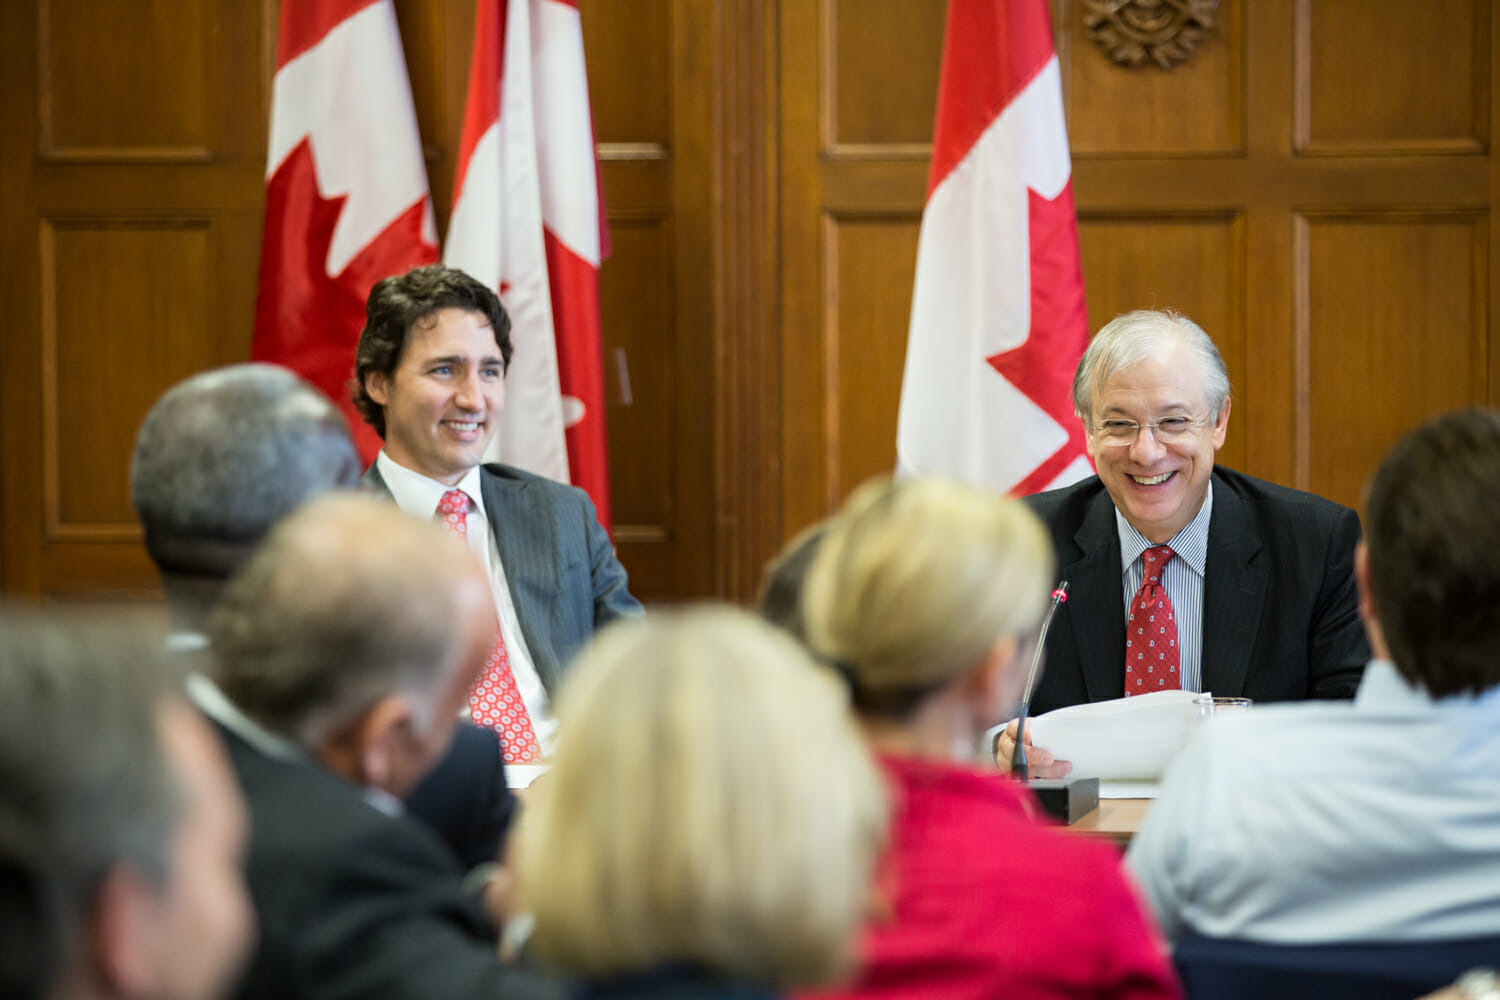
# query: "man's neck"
191,600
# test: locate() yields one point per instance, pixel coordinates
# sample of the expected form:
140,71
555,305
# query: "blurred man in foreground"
1377,820
121,830
342,666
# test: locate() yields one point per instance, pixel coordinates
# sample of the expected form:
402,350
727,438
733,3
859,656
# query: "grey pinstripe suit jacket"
561,567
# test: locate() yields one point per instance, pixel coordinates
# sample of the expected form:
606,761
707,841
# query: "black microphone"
1018,756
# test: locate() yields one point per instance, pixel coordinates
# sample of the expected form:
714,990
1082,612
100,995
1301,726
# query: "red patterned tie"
494,700
1151,633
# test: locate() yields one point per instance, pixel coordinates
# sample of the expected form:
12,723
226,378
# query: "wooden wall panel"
1192,264
869,283
1393,332
99,98
882,59
636,292
629,70
99,277
129,239
1195,109
1367,79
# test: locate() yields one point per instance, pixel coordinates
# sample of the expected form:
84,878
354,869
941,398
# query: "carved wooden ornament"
1164,31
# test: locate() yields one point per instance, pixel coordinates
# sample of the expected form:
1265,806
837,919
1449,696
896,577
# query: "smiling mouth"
463,426
1152,480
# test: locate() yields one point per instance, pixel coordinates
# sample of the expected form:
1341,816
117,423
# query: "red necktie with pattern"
1151,633
494,700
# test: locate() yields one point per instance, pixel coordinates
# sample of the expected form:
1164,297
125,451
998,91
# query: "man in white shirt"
430,378
1377,820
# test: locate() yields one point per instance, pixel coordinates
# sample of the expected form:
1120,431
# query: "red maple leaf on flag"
1041,366
306,319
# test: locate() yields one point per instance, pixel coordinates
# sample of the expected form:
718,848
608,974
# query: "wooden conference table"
1114,819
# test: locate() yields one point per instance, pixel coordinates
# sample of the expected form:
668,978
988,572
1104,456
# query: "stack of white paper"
1129,739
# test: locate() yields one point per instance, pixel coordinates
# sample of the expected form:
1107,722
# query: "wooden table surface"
1117,819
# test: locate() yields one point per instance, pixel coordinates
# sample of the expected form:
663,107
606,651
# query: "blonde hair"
710,802
915,582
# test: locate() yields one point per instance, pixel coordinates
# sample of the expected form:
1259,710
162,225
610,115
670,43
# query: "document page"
1128,739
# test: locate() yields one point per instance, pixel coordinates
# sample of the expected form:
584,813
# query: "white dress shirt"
1371,820
418,495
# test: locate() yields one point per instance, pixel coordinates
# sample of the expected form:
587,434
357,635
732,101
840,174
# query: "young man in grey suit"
1246,588
430,378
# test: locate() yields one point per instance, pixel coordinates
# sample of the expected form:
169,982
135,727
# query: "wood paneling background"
1315,194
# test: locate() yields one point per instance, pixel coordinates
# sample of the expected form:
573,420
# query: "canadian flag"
528,220
346,191
997,318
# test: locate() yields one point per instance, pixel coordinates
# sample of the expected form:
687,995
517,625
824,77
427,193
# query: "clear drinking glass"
1206,706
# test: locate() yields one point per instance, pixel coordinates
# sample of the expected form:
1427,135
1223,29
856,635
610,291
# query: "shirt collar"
419,495
1384,688
214,703
1190,544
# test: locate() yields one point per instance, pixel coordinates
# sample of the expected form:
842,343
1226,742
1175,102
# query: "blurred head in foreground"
929,593
780,600
220,458
1428,576
354,632
746,853
121,829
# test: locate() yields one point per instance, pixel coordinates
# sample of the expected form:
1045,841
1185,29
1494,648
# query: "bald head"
349,603
224,455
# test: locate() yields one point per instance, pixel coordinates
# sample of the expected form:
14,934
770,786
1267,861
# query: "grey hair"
348,600
1133,337
85,784
227,453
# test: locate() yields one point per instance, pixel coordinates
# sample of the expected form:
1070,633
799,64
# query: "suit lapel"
1234,590
373,480
523,536
1095,602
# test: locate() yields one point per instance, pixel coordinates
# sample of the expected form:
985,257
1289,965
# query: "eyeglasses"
1167,430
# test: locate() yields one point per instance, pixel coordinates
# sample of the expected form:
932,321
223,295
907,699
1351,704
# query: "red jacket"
989,900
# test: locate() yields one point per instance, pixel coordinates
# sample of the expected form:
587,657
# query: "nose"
1146,449
469,394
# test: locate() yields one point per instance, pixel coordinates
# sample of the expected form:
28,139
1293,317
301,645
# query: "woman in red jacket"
927,596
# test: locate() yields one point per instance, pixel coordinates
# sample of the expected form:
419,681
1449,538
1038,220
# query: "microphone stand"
1018,756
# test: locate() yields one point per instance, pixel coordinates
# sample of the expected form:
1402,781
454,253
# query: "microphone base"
1066,799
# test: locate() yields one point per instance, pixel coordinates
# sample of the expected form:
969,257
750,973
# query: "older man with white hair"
1184,575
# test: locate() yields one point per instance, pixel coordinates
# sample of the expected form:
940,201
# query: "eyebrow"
1165,410
459,359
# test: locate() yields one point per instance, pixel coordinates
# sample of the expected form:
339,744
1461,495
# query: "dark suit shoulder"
1276,499
1067,503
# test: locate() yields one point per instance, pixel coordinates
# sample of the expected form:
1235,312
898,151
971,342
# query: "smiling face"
1158,486
443,400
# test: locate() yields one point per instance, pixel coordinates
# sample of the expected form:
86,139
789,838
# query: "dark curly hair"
397,304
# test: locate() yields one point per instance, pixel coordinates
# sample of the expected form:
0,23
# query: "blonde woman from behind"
928,595
711,820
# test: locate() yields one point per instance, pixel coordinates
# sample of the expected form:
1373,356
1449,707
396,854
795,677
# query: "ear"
996,684
118,932
1221,426
377,387
1378,649
382,739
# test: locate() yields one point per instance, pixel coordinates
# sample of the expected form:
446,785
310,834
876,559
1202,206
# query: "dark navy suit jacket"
1280,613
